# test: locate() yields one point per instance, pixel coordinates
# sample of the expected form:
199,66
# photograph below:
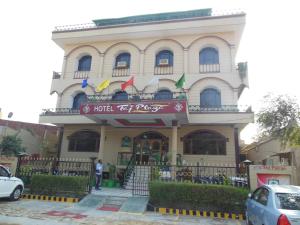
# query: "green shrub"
218,198
58,185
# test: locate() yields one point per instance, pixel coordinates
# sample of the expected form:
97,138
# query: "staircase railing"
129,169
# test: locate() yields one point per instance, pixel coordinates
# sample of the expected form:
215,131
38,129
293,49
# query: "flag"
153,81
84,83
102,86
180,82
127,83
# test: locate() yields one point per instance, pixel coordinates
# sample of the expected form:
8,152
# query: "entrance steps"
140,177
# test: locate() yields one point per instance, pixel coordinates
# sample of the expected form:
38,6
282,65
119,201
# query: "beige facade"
185,38
37,139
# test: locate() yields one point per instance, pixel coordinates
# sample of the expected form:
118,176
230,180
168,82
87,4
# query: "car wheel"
16,194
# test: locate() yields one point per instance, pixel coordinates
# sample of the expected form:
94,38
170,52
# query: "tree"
280,119
11,145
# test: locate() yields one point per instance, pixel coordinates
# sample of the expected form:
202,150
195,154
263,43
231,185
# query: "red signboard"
134,108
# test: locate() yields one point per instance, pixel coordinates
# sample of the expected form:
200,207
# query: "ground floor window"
84,141
204,143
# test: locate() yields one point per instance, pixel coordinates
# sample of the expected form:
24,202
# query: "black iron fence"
143,173
29,166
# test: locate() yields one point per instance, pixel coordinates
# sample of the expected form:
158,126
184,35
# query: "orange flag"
127,83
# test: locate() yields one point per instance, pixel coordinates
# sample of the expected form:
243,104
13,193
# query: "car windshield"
289,201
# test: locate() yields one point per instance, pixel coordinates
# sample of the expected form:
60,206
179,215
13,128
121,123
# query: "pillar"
142,56
101,65
58,101
232,55
64,66
102,141
237,149
174,142
185,60
60,140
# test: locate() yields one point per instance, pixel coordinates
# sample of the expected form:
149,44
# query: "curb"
50,198
198,213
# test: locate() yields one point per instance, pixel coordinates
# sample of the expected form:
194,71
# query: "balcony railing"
121,72
60,111
136,97
56,75
209,68
221,108
81,74
192,109
163,70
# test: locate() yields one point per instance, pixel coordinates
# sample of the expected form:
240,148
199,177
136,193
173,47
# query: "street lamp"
247,163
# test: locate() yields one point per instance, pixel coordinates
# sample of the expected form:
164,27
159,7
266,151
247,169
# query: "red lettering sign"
134,108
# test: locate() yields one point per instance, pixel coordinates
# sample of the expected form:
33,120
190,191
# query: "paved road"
29,212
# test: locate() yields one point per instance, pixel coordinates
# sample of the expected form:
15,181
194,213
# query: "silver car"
274,205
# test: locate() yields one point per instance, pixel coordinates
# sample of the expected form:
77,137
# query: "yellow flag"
102,86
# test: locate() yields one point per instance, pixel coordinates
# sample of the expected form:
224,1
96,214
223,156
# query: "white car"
10,187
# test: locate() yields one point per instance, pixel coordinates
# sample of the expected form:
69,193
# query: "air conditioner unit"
121,64
163,62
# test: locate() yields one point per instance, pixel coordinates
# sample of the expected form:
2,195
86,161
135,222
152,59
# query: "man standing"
99,169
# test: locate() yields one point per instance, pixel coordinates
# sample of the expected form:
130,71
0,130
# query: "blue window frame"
84,63
210,98
120,96
209,56
123,57
78,100
164,54
163,95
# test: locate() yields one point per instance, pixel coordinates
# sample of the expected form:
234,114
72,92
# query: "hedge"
218,198
58,185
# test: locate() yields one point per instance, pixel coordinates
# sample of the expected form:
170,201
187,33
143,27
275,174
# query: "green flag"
180,82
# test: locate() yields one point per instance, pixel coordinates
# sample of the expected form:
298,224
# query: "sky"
270,44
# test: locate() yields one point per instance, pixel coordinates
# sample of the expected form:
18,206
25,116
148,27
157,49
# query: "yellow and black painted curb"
50,198
198,213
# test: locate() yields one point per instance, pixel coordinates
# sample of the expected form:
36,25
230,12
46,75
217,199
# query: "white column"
232,54
58,101
235,96
102,140
142,56
64,67
101,65
185,60
174,142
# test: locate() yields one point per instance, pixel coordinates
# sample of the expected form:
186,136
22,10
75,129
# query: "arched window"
84,63
204,143
78,100
210,98
163,95
122,61
120,96
84,141
164,58
209,56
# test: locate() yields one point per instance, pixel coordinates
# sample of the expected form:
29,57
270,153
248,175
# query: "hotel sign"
134,108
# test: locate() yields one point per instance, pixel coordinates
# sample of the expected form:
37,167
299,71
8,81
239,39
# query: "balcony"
209,68
81,74
121,72
163,70
221,108
60,111
135,97
56,75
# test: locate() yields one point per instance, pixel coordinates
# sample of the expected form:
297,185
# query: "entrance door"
150,146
